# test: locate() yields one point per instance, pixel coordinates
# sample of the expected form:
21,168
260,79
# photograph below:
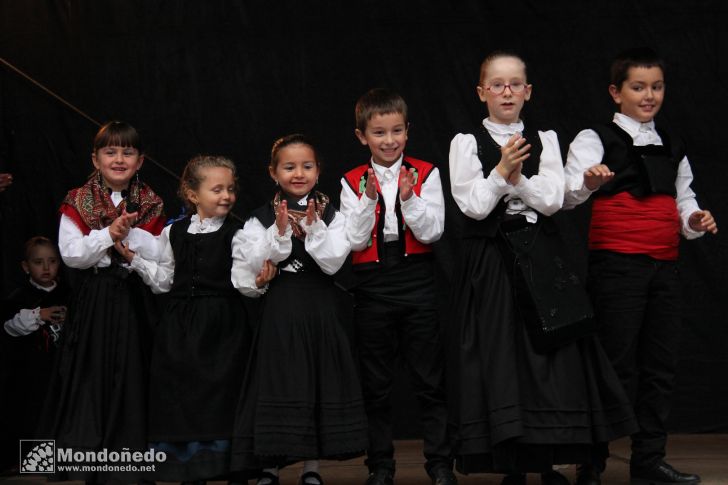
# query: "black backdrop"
228,77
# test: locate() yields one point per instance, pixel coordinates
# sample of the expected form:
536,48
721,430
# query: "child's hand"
311,215
125,252
703,221
282,218
515,175
119,229
53,314
267,273
371,189
5,181
597,176
406,183
513,153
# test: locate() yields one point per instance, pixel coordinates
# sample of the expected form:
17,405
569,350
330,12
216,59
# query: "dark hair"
192,176
118,133
294,139
34,242
378,101
497,55
635,57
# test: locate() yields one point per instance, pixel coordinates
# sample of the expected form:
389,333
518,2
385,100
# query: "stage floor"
706,455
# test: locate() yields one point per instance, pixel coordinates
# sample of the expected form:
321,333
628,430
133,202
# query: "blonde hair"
192,175
498,55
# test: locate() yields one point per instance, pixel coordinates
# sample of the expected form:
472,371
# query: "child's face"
509,74
641,94
117,165
215,197
297,170
42,265
386,136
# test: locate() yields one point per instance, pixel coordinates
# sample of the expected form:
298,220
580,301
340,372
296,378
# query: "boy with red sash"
640,179
395,210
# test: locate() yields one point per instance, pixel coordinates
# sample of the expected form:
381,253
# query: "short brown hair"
118,133
34,242
635,57
378,101
192,176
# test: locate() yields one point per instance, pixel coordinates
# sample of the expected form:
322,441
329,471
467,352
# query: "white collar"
632,126
47,289
381,170
303,201
501,129
210,224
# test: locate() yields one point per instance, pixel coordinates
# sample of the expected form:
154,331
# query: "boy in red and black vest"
395,210
640,179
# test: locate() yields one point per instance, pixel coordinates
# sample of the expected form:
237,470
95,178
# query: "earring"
277,182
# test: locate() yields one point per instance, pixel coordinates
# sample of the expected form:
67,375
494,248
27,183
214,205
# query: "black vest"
639,170
489,154
299,258
202,261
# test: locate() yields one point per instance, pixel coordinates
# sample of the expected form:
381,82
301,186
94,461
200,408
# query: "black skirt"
513,409
98,394
201,348
301,398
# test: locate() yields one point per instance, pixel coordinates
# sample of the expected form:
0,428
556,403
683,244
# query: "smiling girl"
99,395
301,399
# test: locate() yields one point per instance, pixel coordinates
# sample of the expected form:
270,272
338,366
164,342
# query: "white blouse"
587,150
423,214
477,194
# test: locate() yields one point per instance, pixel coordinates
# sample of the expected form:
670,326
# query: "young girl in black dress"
301,400
98,398
201,344
518,409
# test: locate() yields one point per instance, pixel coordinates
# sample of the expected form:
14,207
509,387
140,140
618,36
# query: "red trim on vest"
627,224
357,181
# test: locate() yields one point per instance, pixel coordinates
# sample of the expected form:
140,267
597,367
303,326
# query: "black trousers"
396,319
637,304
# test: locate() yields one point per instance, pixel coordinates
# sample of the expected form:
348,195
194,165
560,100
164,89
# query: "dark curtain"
229,77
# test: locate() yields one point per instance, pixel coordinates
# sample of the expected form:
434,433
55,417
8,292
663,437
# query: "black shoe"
313,475
443,475
554,478
661,474
273,478
587,475
514,479
380,476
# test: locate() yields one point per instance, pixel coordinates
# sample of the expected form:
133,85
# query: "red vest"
357,180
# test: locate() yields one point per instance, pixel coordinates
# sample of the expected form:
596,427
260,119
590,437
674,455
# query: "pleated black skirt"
513,409
301,398
201,348
98,394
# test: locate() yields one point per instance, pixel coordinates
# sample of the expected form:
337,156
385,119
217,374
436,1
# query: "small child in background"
301,400
201,343
32,318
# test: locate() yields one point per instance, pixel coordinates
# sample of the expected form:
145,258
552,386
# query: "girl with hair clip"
202,341
523,402
301,399
98,399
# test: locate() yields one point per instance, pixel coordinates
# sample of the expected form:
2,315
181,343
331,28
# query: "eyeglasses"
499,88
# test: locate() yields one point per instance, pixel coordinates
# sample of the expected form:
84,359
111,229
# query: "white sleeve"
360,215
584,152
475,194
144,243
425,215
79,251
251,247
544,191
328,246
686,203
24,322
157,273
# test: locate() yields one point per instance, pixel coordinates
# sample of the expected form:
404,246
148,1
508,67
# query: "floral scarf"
295,216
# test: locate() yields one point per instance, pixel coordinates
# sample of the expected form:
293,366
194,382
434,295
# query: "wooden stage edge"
704,454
